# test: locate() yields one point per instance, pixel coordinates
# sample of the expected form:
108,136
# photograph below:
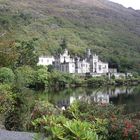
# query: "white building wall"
67,64
67,67
45,61
102,67
71,67
83,67
93,63
65,57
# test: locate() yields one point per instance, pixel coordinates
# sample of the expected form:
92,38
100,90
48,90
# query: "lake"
128,96
17,117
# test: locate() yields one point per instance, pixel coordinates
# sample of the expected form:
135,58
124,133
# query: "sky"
129,3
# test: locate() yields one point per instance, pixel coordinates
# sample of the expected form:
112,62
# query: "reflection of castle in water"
99,96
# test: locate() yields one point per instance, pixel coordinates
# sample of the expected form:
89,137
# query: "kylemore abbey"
90,64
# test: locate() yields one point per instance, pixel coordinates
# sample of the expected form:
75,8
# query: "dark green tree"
8,54
24,76
63,46
27,53
6,75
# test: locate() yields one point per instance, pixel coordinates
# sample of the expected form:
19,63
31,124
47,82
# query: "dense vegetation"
29,28
82,120
108,29
86,121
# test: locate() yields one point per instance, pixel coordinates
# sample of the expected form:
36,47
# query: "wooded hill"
109,29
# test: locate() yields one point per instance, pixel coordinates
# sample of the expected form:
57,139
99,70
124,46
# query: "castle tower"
66,52
88,53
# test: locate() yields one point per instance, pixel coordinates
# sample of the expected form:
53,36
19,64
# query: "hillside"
107,28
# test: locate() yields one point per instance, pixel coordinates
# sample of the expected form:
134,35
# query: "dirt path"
12,135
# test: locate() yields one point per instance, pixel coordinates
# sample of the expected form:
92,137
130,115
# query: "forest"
108,29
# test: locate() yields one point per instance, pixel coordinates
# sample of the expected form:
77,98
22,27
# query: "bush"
111,122
41,77
96,81
6,98
59,127
24,76
43,108
6,75
90,122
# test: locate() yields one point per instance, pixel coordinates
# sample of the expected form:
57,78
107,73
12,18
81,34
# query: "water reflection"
115,95
20,113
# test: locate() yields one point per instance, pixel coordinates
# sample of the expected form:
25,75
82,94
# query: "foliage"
112,34
97,81
124,129
61,128
90,121
42,108
61,80
114,123
18,117
58,126
6,75
6,98
63,46
8,54
56,79
41,76
25,76
27,53
18,53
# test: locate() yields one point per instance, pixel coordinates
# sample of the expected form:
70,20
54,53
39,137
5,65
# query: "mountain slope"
107,28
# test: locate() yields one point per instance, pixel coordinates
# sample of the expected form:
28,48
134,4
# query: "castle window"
67,68
99,67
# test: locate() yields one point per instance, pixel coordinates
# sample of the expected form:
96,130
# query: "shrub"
96,81
61,128
6,75
41,77
24,76
6,98
90,122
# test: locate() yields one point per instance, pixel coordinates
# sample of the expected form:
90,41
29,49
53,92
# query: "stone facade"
46,60
65,63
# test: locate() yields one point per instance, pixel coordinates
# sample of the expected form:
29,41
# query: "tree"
50,68
63,46
6,98
41,77
8,53
27,53
24,76
6,75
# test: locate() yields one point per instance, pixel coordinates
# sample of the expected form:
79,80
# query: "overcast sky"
129,3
